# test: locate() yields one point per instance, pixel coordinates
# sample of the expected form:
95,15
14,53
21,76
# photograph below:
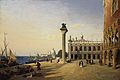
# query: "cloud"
76,26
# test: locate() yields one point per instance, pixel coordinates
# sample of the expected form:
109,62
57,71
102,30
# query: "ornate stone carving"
118,21
116,35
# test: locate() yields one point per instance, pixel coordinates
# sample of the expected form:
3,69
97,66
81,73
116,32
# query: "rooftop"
82,40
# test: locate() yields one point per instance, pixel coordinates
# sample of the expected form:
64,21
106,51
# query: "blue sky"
33,25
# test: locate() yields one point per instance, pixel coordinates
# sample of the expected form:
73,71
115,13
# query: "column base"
114,66
62,62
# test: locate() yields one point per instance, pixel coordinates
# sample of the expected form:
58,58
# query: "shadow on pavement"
55,78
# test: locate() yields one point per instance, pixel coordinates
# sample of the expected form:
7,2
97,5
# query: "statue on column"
82,37
63,25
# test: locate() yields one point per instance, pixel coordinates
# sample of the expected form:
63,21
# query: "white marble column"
63,47
91,55
63,30
82,56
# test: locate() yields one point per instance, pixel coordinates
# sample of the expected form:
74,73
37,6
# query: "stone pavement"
72,71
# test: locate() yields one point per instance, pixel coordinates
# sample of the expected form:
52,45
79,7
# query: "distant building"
84,49
111,45
53,53
43,55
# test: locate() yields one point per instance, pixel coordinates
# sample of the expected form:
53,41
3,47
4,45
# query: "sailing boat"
12,59
7,59
34,59
4,54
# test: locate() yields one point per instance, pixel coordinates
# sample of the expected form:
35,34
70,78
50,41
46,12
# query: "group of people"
49,60
90,61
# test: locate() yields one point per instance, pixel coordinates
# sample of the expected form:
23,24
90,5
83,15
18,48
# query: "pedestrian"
86,61
38,66
47,60
51,60
91,61
58,61
81,63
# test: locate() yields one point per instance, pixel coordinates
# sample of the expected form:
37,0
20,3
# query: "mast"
5,44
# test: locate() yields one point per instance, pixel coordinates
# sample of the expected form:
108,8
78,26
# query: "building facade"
84,49
111,44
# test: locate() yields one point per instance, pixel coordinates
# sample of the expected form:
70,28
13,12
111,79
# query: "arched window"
98,56
76,49
93,56
84,56
94,48
89,56
98,48
85,48
89,48
80,48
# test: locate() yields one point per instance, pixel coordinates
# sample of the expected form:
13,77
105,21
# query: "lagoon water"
22,59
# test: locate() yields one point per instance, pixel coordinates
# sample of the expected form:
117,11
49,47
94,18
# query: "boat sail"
12,57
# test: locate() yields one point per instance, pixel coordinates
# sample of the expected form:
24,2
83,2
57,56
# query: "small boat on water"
31,59
12,59
34,59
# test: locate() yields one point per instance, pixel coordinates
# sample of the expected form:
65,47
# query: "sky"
34,25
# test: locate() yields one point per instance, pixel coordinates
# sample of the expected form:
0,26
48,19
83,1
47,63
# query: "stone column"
114,59
78,56
96,56
119,36
74,48
91,55
63,30
69,55
69,47
87,56
82,56
87,48
103,57
63,47
92,52
107,57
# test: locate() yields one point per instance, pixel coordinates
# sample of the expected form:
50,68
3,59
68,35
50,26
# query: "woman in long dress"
81,63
